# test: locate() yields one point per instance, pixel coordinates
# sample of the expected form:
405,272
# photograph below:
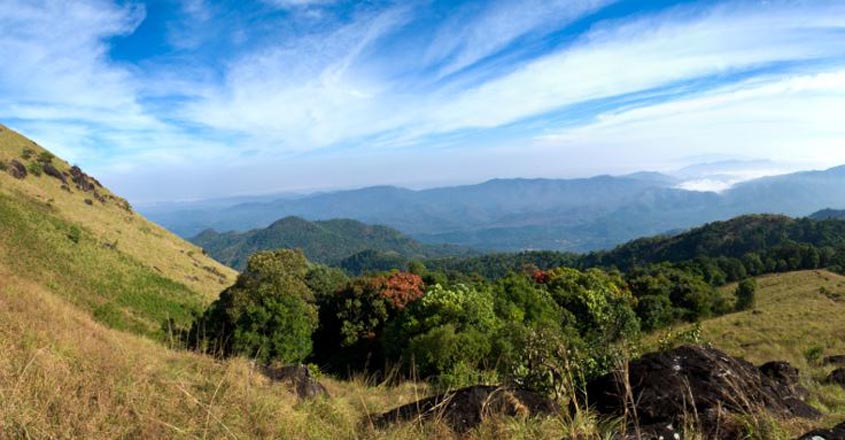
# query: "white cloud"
615,60
464,40
298,3
327,86
794,119
319,91
305,94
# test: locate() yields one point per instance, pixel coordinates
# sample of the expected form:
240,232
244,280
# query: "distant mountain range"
524,214
329,242
829,214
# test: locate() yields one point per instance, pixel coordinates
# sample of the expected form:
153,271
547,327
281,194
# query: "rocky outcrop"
666,388
299,377
838,359
835,433
466,408
17,169
787,375
52,171
82,181
781,371
837,377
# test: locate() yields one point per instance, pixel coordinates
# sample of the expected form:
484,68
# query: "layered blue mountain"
520,214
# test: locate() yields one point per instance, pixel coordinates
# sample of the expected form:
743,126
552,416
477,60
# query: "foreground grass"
63,375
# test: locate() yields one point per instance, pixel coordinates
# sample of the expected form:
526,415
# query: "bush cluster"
519,328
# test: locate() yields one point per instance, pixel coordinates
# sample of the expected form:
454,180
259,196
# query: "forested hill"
759,234
752,244
829,214
328,242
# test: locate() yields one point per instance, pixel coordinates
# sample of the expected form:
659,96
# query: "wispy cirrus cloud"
284,82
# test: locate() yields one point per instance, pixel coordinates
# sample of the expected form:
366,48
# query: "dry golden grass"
63,375
796,312
137,237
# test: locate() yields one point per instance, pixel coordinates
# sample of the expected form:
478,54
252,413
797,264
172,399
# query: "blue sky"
178,99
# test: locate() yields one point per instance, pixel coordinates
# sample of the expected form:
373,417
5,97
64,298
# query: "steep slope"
795,312
328,242
61,229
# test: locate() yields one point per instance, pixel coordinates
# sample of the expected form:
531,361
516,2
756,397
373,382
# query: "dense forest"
722,251
329,242
459,321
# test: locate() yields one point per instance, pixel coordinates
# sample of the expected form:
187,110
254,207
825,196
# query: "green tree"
746,294
268,314
325,281
654,311
449,328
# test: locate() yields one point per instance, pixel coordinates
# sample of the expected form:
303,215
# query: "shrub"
746,294
27,153
813,355
3,166
35,168
599,302
74,234
692,335
268,314
654,311
45,157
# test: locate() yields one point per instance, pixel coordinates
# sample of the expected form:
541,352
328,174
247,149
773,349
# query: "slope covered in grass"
799,318
87,245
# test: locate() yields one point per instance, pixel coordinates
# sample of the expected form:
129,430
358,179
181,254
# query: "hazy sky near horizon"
176,99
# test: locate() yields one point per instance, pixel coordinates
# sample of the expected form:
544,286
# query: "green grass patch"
118,290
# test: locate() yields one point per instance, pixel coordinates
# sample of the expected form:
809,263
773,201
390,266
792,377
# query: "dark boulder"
466,408
667,386
838,359
300,379
82,180
786,374
837,377
836,433
653,432
781,371
52,171
17,169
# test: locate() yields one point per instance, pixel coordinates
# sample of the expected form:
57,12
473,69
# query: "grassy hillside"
327,242
87,245
799,317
